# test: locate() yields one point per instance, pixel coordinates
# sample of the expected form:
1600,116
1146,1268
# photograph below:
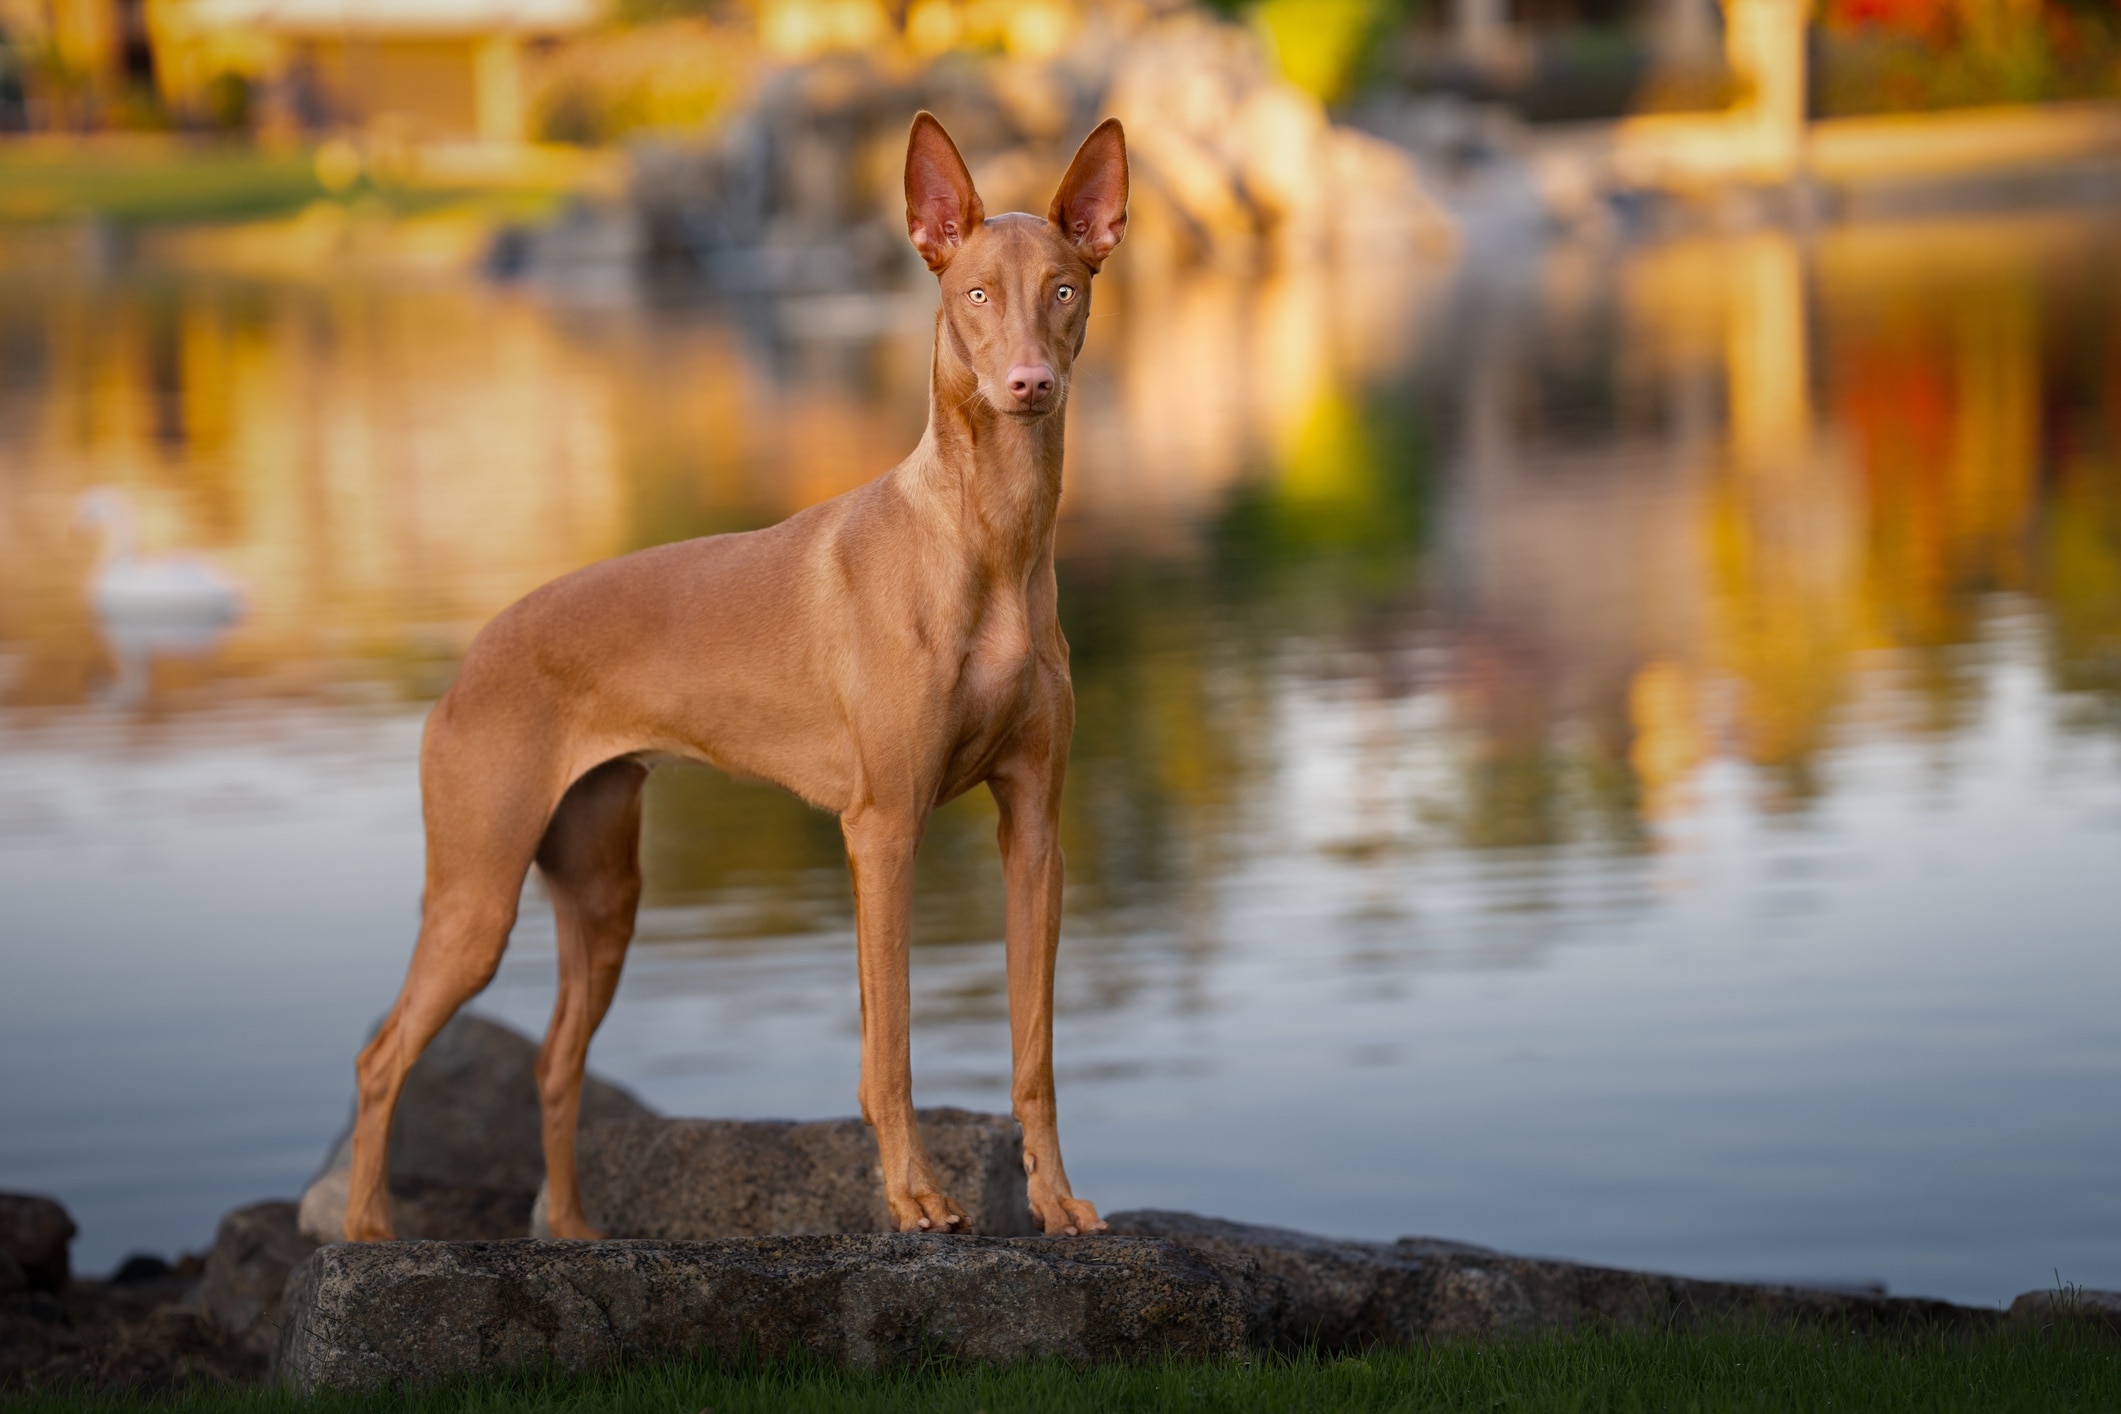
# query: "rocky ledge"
350,1316
363,1316
731,1245
1304,1290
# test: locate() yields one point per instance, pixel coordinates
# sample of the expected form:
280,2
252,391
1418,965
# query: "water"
1611,754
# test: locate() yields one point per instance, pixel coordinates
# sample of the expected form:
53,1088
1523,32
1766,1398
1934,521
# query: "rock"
1308,1290
246,1271
35,1232
422,1208
466,1158
147,1279
1178,88
142,1269
2094,1308
1381,204
690,1179
360,1316
785,197
1231,162
101,1337
12,1277
1346,1295
1338,1295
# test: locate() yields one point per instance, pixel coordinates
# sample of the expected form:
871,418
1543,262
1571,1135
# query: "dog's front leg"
880,850
1027,791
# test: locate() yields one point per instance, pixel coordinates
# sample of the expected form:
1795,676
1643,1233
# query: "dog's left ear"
1091,206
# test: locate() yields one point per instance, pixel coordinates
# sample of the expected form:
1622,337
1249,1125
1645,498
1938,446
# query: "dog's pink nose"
1030,383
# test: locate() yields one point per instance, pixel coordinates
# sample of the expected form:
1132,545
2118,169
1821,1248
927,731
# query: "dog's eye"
1064,293
977,296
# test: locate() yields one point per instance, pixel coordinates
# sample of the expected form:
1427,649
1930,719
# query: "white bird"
174,592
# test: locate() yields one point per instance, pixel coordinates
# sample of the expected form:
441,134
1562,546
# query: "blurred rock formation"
254,1249
35,1233
1232,165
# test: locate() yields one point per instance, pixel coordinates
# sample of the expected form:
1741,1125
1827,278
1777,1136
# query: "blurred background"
1592,547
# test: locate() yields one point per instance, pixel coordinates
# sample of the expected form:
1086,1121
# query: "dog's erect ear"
1091,206
941,206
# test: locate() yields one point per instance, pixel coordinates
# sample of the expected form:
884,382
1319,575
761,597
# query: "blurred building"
81,50
428,69
421,69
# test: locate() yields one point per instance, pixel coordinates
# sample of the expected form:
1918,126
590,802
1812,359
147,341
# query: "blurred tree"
1905,55
2081,584
642,12
669,75
1322,45
227,102
14,107
1919,17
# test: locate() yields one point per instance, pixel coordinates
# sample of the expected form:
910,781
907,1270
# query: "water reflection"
1422,621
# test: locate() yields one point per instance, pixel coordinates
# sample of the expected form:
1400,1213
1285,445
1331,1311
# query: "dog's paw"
1067,1217
369,1227
928,1212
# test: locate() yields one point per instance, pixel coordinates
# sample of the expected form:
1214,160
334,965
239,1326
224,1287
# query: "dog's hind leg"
486,805
590,858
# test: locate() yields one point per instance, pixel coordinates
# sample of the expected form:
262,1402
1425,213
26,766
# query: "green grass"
2010,1369
134,182
150,182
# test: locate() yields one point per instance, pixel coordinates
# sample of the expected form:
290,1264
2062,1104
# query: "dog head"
1016,289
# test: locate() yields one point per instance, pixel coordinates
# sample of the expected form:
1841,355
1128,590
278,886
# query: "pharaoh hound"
878,654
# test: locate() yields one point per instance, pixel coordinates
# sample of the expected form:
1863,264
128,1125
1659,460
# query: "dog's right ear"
941,206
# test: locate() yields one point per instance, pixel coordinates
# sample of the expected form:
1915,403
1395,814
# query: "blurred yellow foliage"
1326,460
800,29
933,26
669,75
1319,44
1037,31
1025,29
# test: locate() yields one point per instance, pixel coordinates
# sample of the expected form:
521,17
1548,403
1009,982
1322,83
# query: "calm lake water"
1614,754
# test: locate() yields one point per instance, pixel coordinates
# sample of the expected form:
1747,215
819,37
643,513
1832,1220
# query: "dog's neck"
996,477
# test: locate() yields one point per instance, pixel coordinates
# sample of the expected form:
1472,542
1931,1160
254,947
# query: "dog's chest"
997,667
997,662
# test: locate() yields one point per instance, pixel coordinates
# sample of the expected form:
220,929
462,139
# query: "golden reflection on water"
1628,513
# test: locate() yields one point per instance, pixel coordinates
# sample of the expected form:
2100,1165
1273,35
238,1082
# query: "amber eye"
1064,293
977,296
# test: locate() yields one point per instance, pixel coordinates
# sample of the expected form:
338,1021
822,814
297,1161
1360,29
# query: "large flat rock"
1306,1290
360,1316
690,1179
